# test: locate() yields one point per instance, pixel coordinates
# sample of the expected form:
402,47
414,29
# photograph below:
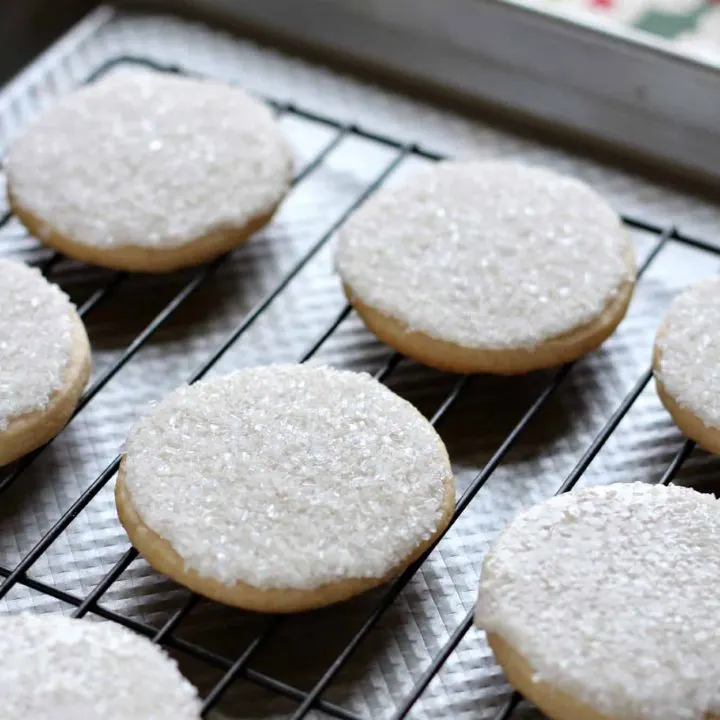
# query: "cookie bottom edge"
554,703
690,424
448,356
32,430
162,557
136,258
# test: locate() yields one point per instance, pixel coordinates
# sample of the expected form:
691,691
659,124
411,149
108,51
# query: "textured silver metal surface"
396,653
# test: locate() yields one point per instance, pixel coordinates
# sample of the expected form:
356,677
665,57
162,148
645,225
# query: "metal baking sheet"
622,86
401,647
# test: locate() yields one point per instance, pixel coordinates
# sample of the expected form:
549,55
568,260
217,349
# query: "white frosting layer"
288,476
689,341
149,159
486,254
54,668
610,594
35,340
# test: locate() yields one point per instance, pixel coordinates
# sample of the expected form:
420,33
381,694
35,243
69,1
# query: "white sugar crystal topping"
55,668
486,254
610,594
149,159
689,342
288,476
35,340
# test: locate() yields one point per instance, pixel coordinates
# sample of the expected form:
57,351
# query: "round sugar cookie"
44,360
488,267
284,488
55,668
600,604
687,362
149,171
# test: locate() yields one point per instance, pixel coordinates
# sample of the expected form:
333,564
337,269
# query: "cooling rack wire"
234,669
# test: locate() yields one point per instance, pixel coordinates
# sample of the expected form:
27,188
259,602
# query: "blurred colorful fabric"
693,24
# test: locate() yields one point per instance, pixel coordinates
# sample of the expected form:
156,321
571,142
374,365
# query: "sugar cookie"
44,360
284,488
687,363
488,267
149,171
600,604
55,668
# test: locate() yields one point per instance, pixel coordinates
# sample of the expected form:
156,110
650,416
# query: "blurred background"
28,27
694,24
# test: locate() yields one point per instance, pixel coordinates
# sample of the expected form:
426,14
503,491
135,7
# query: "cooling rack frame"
236,668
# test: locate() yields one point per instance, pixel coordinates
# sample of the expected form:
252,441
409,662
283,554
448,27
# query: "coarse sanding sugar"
35,340
288,476
689,342
609,593
149,159
56,668
487,254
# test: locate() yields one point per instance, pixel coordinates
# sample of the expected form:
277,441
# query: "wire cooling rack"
234,669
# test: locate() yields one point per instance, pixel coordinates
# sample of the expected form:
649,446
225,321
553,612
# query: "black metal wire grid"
234,669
